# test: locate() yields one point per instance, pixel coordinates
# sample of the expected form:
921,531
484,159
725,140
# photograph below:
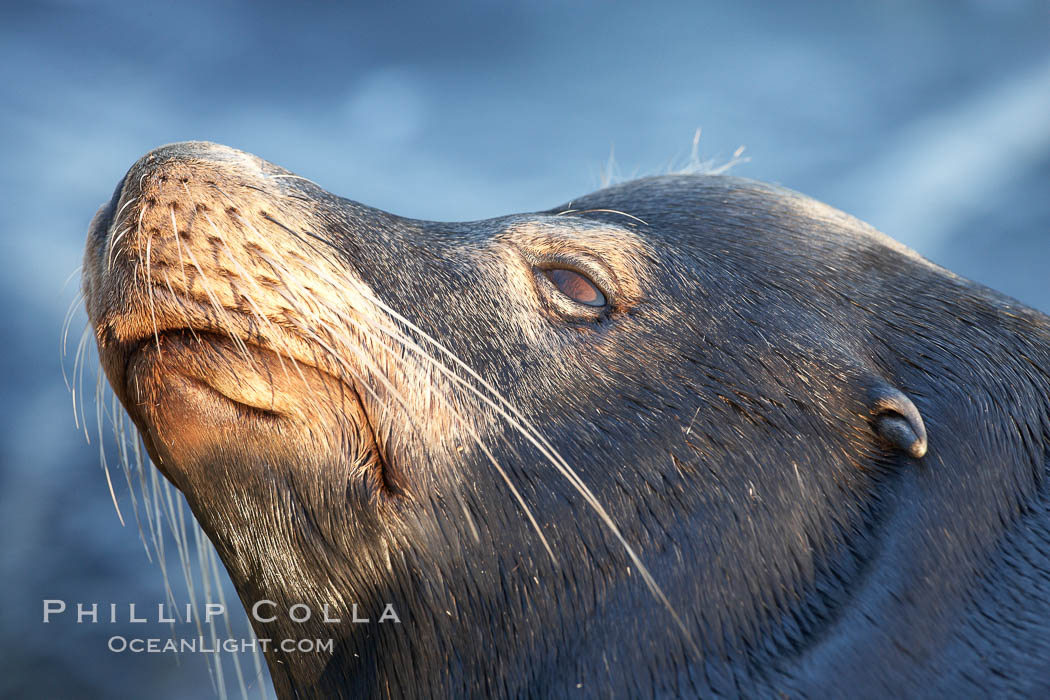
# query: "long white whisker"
67,321
149,288
114,240
102,445
213,569
78,383
178,246
72,275
113,246
182,309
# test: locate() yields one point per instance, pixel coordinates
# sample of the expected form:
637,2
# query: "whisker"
605,211
113,246
102,445
178,246
219,679
114,240
177,526
149,288
131,493
158,543
213,569
72,275
182,310
67,322
518,422
294,177
77,390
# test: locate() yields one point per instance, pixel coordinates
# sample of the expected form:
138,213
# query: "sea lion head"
675,424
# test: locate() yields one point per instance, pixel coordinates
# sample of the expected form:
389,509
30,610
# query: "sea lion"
687,435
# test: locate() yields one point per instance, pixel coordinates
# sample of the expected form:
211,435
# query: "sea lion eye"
576,286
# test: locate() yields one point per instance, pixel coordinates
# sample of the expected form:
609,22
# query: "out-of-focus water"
929,120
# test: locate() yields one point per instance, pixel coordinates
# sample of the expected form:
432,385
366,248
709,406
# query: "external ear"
896,419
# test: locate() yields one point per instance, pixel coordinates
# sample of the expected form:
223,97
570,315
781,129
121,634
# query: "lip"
186,365
155,314
242,371
169,316
179,340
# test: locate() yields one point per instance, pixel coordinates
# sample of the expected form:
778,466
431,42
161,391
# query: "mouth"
192,391
196,357
269,373
226,349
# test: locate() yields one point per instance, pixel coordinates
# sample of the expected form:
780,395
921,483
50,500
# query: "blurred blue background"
930,120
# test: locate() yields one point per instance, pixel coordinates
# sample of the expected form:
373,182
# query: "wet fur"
719,415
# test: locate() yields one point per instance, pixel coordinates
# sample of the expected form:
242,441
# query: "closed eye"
576,286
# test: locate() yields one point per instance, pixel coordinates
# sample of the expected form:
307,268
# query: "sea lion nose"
152,167
188,152
171,194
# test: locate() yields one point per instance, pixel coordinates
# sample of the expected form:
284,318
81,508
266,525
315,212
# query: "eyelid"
569,281
583,263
